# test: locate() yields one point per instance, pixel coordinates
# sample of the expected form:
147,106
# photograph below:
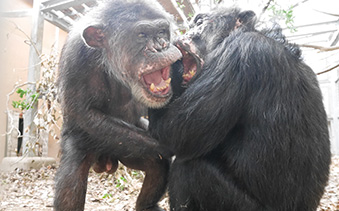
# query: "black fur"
250,131
104,92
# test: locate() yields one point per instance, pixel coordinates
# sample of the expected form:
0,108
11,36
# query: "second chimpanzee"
250,131
118,56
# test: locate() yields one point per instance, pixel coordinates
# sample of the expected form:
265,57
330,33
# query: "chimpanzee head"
206,32
135,38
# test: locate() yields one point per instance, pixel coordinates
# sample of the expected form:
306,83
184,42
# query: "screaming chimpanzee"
122,56
250,131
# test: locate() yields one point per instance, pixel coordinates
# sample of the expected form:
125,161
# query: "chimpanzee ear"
246,17
94,36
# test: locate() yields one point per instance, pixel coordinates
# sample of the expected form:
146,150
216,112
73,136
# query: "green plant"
284,14
47,119
120,182
107,196
190,15
181,4
25,103
135,174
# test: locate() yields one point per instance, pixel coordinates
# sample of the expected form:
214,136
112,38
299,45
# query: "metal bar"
80,9
53,19
29,137
63,4
16,14
63,17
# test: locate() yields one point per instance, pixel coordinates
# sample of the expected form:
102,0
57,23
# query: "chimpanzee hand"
108,164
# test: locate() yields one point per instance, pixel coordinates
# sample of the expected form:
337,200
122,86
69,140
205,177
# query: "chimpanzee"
118,56
250,131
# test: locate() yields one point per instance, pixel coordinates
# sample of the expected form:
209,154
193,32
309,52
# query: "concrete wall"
14,53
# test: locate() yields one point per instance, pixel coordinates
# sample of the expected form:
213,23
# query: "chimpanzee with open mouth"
115,63
248,128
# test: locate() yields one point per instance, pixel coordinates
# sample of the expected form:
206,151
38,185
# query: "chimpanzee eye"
142,35
162,33
199,22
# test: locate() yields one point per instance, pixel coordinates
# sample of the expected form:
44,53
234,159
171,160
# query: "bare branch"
320,48
267,5
297,4
326,13
328,70
30,41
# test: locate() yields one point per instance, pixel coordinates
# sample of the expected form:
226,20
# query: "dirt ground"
33,190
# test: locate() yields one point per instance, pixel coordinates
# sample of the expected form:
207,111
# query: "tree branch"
29,41
297,4
267,5
328,70
326,13
320,48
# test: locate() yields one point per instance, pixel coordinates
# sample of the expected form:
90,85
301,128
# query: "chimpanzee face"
143,61
206,32
153,58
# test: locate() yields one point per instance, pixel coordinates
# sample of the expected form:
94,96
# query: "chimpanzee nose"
160,44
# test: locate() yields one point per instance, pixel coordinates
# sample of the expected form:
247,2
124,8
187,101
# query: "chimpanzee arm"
115,135
110,131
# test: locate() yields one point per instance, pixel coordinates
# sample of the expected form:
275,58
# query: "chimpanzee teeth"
192,73
152,87
161,88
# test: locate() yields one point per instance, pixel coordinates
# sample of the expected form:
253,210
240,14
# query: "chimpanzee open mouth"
158,82
191,61
155,75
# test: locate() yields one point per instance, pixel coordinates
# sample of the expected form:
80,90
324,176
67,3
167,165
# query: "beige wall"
14,53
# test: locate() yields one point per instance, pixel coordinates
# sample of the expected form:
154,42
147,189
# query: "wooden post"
29,138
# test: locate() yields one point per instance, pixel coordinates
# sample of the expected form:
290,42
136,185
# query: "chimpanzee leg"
155,182
71,177
197,185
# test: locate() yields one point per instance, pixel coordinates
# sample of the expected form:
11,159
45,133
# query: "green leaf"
123,179
107,195
15,104
21,92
